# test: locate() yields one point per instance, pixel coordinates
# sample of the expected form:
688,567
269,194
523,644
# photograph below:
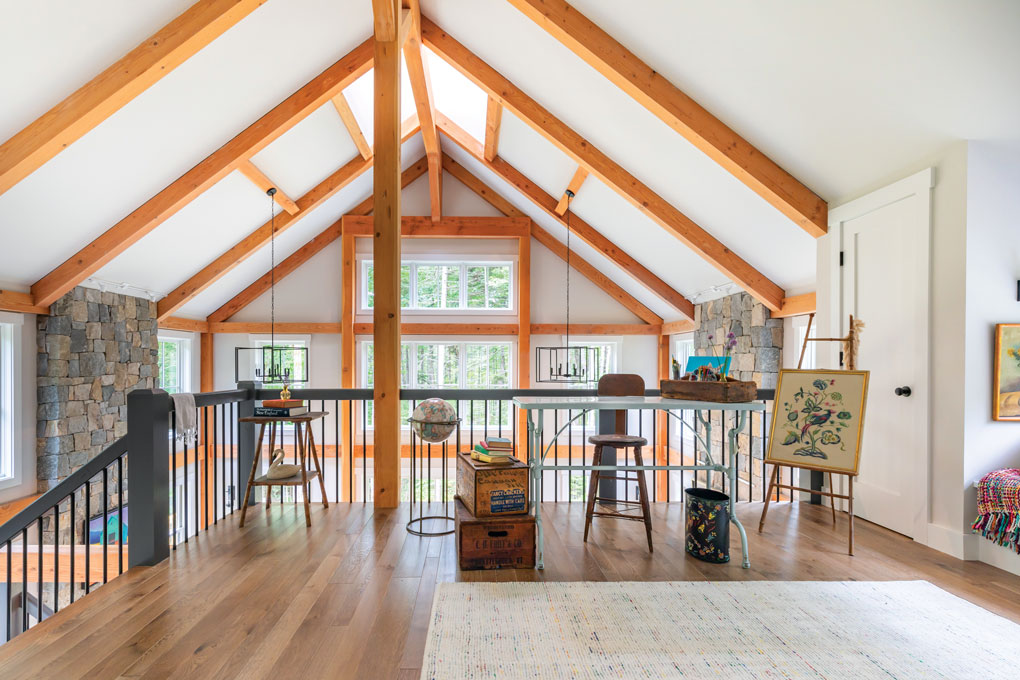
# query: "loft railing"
147,493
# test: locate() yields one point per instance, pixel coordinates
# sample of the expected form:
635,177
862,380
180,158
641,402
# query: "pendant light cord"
570,196
272,269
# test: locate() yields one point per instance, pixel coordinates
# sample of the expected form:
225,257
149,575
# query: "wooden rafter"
582,266
412,226
677,327
351,123
493,121
680,112
573,187
797,305
135,72
177,323
421,86
259,179
304,253
603,167
596,329
367,328
218,165
13,301
547,203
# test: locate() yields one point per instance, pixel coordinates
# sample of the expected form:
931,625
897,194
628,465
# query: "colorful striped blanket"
999,508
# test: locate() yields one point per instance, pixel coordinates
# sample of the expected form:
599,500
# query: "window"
683,348
6,401
433,285
606,362
174,364
800,327
292,360
449,365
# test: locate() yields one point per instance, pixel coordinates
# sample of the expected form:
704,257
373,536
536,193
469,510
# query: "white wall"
24,483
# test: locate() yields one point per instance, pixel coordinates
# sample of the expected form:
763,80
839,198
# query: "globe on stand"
434,420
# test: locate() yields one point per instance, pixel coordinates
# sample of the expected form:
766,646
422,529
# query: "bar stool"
618,441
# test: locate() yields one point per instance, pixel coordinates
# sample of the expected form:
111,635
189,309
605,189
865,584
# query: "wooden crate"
729,392
494,542
489,490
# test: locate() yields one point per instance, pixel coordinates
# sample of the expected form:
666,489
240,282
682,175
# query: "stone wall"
93,349
757,357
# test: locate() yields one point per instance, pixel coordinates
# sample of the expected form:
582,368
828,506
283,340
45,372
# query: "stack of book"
281,408
499,450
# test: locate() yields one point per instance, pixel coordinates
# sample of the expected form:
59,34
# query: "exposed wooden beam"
13,301
448,227
386,14
595,329
677,327
386,261
259,179
348,308
493,121
547,203
680,112
240,251
604,168
206,373
351,123
303,254
523,327
797,305
573,187
135,72
421,87
177,323
445,328
284,327
218,165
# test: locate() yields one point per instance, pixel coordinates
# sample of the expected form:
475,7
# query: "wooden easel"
850,343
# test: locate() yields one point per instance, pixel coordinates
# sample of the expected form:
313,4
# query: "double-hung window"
174,363
448,286
292,360
450,365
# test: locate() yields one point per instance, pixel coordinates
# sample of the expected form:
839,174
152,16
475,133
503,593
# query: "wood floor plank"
351,596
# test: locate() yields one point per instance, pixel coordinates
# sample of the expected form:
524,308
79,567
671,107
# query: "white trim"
916,187
21,397
185,355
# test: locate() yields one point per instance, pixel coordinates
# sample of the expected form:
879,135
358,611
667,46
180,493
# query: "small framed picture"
1006,377
817,420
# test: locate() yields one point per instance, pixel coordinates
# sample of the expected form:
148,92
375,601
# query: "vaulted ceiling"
837,99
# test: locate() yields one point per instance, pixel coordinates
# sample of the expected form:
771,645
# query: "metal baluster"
173,488
350,450
499,416
669,473
39,601
570,455
471,408
364,453
24,579
223,463
73,560
88,546
556,455
184,471
205,465
106,510
7,593
485,417
198,512
56,557
655,452
120,513
412,492
215,475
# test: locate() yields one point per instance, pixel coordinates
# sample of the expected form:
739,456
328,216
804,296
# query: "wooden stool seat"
619,441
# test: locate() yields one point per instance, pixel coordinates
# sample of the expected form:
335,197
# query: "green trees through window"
431,285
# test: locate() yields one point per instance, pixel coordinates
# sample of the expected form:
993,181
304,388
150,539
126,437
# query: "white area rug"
892,630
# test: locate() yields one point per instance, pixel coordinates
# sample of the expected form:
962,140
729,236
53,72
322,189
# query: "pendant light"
270,363
567,364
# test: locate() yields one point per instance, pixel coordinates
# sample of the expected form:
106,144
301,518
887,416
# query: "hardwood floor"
350,597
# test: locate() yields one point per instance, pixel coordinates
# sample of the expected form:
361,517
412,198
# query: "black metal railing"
83,532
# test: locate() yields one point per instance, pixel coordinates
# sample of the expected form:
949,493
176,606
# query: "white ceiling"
844,95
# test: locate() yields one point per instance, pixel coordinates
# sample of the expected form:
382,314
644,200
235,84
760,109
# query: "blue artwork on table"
112,528
717,364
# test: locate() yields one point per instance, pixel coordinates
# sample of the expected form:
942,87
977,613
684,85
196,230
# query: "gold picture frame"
818,420
1006,374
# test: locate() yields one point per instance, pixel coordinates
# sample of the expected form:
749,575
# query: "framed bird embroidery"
817,420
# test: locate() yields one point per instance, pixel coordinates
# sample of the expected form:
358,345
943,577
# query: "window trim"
185,367
14,478
364,260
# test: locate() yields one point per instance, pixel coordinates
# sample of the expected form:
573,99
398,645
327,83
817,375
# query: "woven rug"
891,630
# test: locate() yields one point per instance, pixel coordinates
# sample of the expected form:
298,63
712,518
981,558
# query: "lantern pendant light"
272,364
568,363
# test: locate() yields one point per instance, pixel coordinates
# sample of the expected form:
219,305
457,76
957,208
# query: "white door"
885,242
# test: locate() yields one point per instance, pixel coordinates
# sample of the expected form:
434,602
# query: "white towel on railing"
187,418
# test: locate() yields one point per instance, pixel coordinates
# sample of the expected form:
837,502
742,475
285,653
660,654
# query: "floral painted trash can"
708,525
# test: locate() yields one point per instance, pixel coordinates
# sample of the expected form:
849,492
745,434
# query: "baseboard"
967,546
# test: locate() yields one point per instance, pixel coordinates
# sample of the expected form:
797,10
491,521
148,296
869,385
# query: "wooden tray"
729,392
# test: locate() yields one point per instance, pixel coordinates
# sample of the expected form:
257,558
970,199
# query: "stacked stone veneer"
93,349
757,357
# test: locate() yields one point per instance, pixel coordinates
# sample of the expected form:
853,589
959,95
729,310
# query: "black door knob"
902,391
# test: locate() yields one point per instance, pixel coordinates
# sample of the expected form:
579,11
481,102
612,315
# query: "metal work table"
535,406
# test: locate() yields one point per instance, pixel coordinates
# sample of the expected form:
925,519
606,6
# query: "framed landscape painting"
817,420
1006,379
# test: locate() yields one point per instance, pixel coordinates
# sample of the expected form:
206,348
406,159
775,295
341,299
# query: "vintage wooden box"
489,490
494,542
729,392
